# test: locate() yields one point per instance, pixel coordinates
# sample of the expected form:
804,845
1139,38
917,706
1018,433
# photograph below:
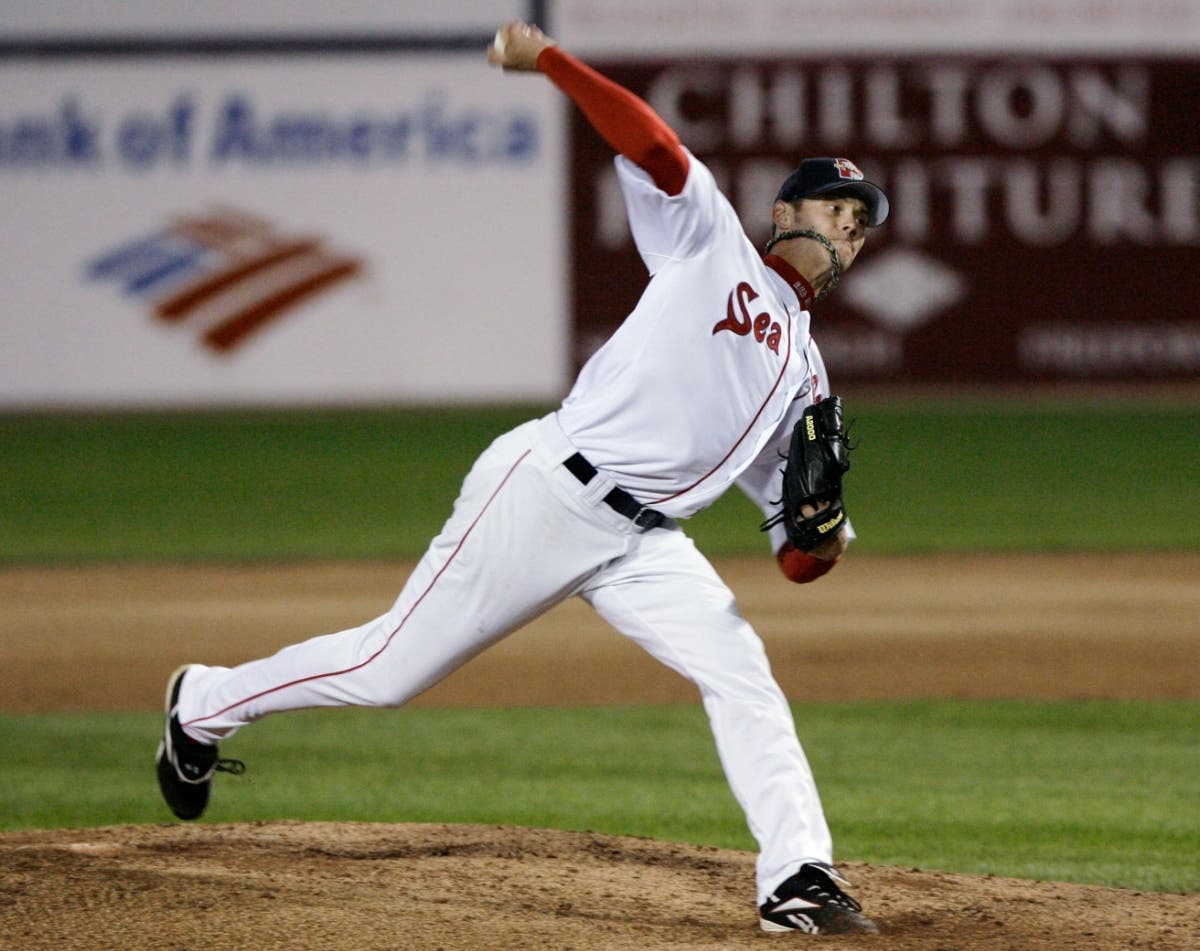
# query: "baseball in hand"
498,42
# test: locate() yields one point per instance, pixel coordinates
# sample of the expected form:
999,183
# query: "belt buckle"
647,518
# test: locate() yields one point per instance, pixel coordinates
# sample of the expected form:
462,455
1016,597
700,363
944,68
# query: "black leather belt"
618,499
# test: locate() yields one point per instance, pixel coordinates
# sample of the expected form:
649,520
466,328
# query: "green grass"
379,484
1096,791
1027,478
233,485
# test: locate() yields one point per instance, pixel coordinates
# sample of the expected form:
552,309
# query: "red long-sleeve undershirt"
800,566
622,119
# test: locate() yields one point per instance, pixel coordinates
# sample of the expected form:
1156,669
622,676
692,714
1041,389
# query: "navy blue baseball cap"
816,176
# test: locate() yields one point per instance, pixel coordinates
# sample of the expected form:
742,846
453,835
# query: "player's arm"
626,122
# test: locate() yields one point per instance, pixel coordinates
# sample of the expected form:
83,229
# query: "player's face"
841,218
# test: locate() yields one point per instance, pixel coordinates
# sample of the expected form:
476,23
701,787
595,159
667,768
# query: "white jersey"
707,376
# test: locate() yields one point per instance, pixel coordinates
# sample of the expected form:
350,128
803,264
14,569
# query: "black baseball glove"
818,457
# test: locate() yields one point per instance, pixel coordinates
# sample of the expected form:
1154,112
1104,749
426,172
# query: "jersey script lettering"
765,329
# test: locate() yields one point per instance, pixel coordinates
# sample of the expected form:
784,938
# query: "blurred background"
296,208
291,203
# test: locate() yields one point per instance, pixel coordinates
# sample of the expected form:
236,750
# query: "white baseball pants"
524,535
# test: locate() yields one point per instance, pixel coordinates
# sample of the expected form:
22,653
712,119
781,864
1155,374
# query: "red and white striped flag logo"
228,272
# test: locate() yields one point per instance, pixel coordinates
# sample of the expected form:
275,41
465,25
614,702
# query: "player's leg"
667,597
515,544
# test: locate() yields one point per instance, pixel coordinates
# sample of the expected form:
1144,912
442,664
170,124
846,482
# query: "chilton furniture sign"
1045,211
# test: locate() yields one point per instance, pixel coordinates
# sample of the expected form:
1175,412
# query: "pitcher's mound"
360,886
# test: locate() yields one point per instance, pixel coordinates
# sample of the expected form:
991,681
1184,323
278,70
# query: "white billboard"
279,230
62,19
618,29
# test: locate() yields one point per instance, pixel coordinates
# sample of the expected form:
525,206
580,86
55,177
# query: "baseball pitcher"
713,380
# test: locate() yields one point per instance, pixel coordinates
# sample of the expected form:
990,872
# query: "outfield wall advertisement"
261,230
1046,209
289,204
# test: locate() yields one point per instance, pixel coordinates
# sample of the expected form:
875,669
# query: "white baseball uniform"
698,389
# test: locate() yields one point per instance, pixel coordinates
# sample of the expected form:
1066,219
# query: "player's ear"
783,214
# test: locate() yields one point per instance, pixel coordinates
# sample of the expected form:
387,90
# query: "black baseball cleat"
812,901
185,766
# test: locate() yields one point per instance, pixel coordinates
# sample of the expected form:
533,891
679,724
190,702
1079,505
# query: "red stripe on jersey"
403,620
742,437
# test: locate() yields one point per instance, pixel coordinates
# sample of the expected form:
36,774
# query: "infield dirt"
105,638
